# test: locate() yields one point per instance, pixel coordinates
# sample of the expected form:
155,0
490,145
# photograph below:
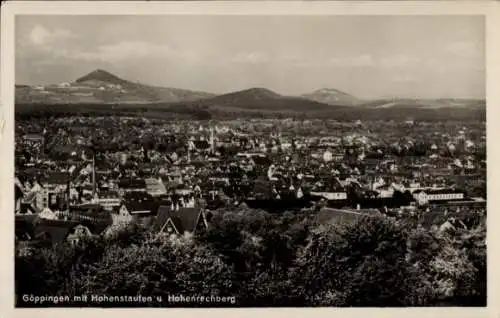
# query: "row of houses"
56,225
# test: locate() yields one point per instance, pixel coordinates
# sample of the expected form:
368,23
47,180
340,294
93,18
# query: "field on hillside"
162,110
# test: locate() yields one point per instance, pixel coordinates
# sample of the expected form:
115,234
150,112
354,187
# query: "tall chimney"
93,176
212,139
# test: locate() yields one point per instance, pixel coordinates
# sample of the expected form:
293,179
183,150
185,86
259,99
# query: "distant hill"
443,103
255,94
102,76
262,100
102,87
105,93
332,96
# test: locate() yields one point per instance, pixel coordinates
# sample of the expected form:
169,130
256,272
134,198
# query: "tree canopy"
271,260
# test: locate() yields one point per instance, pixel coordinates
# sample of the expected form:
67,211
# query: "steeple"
212,145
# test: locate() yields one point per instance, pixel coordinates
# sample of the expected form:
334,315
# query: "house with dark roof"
138,208
132,185
334,195
179,221
56,226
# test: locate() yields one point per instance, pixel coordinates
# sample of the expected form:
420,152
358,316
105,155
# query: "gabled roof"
134,206
184,219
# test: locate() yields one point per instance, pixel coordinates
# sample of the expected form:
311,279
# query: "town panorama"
136,195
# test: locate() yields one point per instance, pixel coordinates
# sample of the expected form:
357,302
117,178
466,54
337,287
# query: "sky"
366,56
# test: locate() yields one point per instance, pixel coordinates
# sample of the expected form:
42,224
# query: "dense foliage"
271,260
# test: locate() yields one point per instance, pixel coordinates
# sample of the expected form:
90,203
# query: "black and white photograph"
249,160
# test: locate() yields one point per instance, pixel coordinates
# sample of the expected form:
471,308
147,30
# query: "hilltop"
262,100
103,77
103,87
255,93
332,96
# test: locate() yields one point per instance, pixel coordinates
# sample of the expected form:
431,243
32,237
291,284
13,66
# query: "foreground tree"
356,264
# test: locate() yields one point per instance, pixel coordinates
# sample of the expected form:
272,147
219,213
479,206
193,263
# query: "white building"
331,195
109,203
439,196
64,85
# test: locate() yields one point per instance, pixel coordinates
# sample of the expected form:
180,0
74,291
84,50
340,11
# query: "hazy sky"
367,56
